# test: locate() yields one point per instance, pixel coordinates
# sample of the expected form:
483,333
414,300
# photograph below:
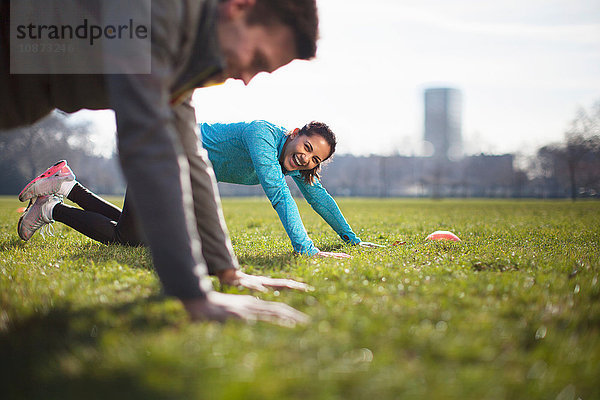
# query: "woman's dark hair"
299,15
321,129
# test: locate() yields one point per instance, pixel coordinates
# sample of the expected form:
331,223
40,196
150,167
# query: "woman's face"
303,152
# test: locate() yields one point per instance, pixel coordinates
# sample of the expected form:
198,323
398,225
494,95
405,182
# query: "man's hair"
300,15
321,129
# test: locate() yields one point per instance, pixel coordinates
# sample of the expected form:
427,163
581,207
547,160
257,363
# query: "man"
170,180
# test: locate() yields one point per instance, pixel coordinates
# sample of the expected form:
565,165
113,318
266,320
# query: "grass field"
512,312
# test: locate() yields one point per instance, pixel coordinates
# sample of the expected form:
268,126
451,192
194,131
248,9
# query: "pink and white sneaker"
58,179
37,215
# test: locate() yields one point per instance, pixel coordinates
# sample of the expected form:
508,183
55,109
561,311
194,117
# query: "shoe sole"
21,219
19,230
49,172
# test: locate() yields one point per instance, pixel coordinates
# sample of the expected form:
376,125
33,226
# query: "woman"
251,153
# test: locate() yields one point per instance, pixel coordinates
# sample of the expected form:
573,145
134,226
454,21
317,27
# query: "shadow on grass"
139,257
279,260
332,247
32,348
11,243
493,267
136,257
273,261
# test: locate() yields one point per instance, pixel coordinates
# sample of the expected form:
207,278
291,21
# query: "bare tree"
581,145
30,150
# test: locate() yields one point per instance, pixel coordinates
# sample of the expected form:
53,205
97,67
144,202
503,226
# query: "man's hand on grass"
234,277
370,245
221,306
333,255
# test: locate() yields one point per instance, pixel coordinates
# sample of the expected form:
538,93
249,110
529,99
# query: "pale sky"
523,66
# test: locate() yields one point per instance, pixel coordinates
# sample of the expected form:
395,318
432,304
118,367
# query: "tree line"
27,152
570,168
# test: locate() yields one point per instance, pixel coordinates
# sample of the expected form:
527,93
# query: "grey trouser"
210,222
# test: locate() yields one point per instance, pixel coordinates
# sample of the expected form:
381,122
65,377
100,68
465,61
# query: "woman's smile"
297,160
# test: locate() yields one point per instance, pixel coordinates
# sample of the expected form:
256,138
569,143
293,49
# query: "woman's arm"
322,202
264,155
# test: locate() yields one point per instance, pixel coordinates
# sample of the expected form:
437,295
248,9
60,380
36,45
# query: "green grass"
512,312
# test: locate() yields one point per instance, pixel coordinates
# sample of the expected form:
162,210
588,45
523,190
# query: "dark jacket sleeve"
154,161
210,222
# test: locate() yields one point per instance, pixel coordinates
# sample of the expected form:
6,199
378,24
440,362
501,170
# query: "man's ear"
235,9
295,133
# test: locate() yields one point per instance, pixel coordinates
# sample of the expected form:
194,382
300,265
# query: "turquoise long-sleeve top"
248,153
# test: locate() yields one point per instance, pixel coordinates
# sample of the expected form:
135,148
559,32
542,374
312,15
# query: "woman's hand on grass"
221,306
333,255
370,245
234,277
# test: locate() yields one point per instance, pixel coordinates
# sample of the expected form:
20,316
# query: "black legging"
99,219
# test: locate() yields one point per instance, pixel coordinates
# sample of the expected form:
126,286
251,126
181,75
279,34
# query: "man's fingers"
220,306
279,313
341,255
286,284
370,245
334,255
252,284
300,286
250,308
261,283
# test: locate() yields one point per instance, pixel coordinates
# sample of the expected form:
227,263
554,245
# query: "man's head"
263,35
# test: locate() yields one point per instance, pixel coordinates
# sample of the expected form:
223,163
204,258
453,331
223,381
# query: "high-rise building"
443,123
